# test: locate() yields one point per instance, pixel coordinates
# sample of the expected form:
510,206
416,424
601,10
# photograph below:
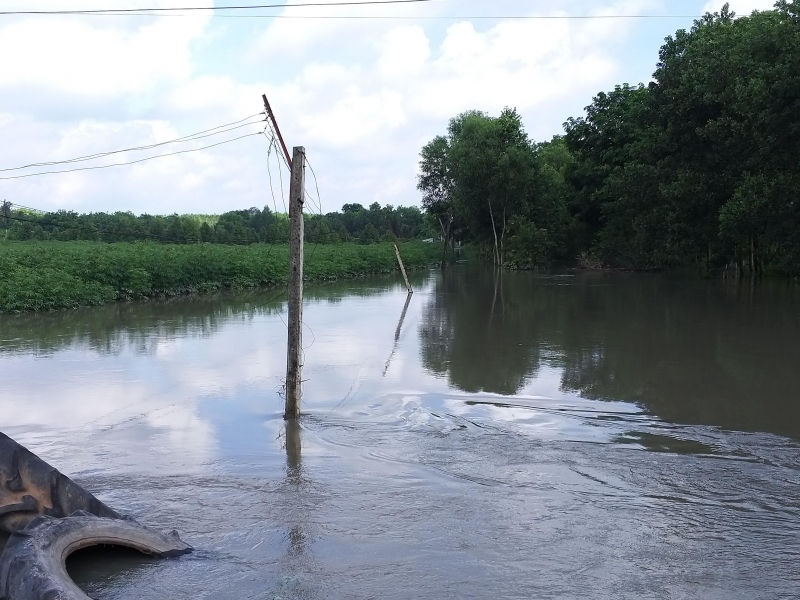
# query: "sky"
362,92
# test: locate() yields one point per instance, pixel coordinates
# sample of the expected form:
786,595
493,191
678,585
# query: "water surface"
514,436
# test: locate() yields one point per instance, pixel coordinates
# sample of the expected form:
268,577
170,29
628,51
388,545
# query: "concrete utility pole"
297,197
294,357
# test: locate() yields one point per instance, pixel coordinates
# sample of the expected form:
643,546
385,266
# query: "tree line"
353,223
700,166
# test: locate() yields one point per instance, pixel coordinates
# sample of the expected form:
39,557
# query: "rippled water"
524,436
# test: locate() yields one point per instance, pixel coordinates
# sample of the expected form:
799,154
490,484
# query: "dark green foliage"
486,181
53,275
248,226
41,288
699,167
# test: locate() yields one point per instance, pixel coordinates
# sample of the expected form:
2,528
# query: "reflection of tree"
687,351
481,331
691,353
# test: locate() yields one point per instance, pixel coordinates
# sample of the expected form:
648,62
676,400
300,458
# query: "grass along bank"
55,275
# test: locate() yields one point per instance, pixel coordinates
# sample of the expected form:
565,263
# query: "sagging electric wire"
273,144
39,210
280,176
271,189
188,138
274,138
316,185
124,11
132,162
319,204
217,10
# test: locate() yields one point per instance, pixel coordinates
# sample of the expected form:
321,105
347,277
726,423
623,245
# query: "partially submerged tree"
486,175
435,181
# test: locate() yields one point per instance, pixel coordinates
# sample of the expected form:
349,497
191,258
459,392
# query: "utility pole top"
271,116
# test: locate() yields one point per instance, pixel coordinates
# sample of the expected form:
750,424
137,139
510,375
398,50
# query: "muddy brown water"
524,436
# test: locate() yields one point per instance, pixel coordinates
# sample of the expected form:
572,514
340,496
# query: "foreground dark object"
30,487
49,517
33,565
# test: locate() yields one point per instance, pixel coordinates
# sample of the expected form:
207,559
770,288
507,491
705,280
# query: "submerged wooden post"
403,269
294,355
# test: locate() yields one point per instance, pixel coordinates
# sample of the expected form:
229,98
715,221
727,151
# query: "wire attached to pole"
277,130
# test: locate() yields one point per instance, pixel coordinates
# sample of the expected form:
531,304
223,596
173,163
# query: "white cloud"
97,57
103,406
405,51
362,95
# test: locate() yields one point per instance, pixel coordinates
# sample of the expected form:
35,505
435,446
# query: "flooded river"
526,436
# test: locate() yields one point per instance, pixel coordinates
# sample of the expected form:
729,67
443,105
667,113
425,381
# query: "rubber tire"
33,563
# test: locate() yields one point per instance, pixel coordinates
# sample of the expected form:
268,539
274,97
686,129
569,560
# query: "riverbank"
53,275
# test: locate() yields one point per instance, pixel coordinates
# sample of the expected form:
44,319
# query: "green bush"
25,289
55,275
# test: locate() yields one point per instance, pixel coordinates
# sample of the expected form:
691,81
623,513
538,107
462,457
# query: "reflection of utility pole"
294,473
294,460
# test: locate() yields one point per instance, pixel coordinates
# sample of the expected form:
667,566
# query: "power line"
316,185
274,144
455,18
512,17
189,138
133,162
122,11
27,207
389,17
269,169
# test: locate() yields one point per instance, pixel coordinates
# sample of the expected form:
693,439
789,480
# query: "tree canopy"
487,176
698,167
353,224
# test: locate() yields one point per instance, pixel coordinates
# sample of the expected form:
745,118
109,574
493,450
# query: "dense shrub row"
55,275
354,223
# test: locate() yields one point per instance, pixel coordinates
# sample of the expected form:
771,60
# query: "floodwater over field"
524,436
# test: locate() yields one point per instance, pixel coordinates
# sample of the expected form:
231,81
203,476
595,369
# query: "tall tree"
436,183
481,174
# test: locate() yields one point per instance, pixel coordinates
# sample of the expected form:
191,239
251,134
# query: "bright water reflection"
603,436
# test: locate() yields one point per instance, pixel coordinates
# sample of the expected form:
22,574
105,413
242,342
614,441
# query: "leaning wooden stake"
403,269
294,357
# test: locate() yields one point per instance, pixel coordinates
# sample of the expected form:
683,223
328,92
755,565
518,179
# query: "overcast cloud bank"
363,95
